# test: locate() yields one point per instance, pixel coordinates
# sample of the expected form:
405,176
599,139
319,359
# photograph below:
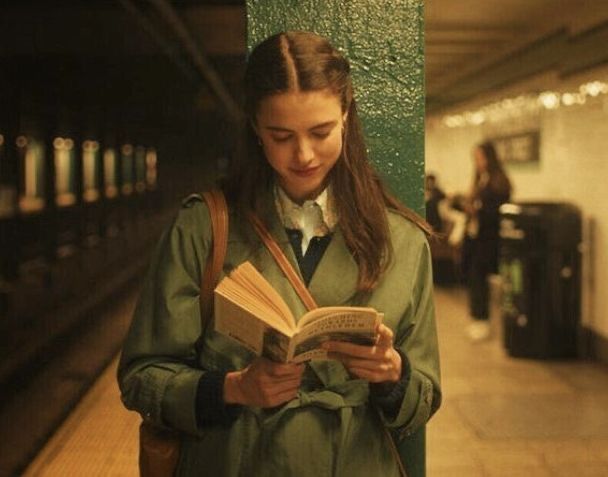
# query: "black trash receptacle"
540,269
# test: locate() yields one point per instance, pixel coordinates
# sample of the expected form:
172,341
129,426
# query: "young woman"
305,173
490,189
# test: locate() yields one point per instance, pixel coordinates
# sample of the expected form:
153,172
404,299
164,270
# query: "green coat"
330,429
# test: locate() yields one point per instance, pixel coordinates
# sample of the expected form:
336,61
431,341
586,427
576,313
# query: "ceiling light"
549,100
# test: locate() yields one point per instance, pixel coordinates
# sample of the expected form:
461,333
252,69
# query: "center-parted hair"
297,61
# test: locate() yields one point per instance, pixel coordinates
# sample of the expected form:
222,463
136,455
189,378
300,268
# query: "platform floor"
500,416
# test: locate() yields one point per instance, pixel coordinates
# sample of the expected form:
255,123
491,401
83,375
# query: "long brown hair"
498,180
303,61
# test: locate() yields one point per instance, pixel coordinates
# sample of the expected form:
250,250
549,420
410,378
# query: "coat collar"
334,281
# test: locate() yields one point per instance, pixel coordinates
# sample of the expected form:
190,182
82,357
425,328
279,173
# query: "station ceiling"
472,46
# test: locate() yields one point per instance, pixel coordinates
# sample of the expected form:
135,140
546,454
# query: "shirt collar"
291,213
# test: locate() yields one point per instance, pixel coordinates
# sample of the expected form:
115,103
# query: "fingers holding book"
376,364
263,383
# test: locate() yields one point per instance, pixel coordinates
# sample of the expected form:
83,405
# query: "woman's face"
301,134
481,163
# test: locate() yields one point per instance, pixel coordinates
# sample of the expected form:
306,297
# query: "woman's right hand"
263,383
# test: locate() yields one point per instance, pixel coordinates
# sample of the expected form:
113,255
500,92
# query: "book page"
230,290
247,276
355,325
254,334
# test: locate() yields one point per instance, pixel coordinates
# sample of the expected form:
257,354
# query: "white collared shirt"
314,218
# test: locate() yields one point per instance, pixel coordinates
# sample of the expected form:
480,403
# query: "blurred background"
102,104
532,79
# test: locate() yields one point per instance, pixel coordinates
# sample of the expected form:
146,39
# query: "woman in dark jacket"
490,189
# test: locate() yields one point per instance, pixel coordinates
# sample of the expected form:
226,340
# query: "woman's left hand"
377,364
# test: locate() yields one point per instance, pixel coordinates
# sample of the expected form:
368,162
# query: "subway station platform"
501,416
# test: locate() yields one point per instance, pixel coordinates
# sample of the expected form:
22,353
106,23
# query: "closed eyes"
315,134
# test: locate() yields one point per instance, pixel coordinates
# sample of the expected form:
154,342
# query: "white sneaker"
479,330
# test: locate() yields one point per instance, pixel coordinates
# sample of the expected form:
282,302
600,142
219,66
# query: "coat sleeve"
416,338
157,373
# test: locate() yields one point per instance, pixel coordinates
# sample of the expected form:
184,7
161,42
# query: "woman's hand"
377,364
263,383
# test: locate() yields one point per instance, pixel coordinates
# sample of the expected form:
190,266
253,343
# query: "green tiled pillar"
383,40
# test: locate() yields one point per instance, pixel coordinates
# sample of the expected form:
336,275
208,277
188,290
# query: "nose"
304,153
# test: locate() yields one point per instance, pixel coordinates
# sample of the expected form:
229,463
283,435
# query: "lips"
305,172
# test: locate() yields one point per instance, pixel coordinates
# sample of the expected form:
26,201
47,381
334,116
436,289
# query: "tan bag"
159,448
158,451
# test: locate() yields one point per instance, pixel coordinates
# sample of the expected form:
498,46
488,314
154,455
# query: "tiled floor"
503,416
500,416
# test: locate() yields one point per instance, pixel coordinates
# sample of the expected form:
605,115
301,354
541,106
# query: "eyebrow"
316,126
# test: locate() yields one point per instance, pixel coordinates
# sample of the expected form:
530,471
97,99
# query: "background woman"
490,189
304,171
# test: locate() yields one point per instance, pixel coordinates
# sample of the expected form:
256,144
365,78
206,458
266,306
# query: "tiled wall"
573,167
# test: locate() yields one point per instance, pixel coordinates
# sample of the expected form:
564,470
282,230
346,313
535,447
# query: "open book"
249,310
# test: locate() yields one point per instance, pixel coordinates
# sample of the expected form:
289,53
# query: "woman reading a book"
304,172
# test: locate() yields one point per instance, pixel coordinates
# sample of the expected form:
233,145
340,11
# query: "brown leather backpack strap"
395,452
281,259
159,449
218,210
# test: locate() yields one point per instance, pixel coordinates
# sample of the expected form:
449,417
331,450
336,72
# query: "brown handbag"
309,302
159,448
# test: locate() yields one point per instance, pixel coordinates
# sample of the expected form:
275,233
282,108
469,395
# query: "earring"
260,142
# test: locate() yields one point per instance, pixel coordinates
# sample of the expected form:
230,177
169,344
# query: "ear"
345,116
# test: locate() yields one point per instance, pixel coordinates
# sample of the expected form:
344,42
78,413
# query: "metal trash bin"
540,267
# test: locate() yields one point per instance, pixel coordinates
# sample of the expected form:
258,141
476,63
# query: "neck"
300,199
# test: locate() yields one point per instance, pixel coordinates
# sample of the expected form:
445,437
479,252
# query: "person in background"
490,189
433,195
304,171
